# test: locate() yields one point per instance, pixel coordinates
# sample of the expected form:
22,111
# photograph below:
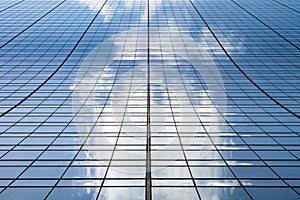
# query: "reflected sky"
94,93
83,134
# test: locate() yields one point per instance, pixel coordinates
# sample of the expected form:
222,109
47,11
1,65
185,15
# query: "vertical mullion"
148,144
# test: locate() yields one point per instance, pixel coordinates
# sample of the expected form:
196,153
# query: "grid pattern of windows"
150,99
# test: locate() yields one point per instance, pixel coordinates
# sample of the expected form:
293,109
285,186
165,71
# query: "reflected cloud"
92,4
232,42
108,11
102,114
207,111
207,108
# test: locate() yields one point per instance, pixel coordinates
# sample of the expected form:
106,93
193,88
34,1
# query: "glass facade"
150,99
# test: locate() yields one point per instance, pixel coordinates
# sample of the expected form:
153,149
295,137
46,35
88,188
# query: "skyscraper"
150,99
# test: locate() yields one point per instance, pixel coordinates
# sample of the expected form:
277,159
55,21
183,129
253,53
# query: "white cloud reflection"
92,4
91,78
131,45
